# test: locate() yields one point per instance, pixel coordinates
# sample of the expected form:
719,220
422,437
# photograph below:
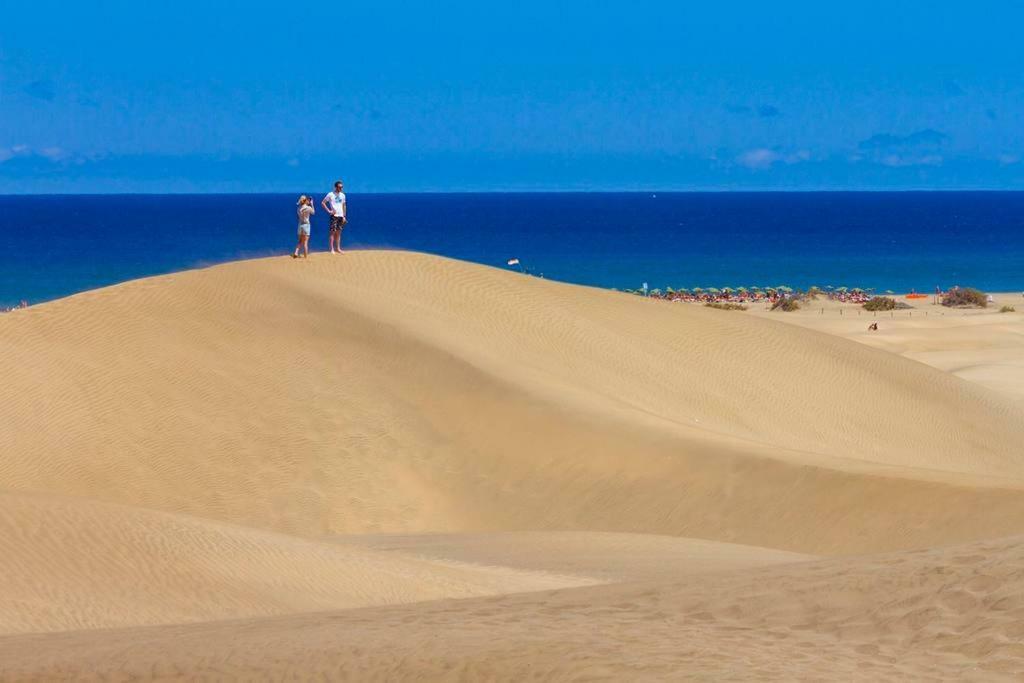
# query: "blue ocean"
52,246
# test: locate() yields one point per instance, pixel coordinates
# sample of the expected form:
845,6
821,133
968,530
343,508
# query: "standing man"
334,204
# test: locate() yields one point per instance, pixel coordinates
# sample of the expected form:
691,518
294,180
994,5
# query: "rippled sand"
390,465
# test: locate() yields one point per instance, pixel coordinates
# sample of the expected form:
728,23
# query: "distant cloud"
761,158
7,153
758,158
1009,159
767,111
292,162
920,148
53,153
41,90
898,160
47,155
926,137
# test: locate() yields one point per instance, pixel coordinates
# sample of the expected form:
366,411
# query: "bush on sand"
965,297
880,303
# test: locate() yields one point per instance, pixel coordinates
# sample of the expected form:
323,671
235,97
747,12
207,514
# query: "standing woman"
304,211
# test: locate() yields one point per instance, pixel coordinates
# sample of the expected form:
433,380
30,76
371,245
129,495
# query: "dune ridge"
398,436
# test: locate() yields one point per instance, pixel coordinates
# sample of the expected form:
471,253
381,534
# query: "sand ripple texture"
388,465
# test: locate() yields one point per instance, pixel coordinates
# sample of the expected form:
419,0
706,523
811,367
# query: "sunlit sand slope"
75,564
397,392
954,613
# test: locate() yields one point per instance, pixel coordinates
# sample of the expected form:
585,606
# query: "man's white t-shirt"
337,202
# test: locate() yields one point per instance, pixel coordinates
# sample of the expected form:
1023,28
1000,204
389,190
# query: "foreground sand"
945,614
381,465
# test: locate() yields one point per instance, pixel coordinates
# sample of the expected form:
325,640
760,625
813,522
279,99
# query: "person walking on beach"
334,204
304,211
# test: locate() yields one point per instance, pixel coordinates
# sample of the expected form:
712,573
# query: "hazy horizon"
286,192
119,97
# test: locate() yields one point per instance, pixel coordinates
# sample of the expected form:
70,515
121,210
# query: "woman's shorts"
304,229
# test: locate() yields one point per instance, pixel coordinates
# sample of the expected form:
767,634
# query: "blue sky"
414,96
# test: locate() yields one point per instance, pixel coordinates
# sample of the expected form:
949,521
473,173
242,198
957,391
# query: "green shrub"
965,297
1007,309
880,303
786,303
726,306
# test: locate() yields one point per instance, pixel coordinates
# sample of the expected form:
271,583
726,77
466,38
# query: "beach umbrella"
840,289
856,289
889,291
728,290
669,290
698,290
714,290
683,290
784,288
656,291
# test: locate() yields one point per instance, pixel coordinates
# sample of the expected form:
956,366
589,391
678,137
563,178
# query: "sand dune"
954,613
76,564
396,392
312,447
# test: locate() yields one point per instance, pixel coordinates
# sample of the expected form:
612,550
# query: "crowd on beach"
771,295
746,295
8,309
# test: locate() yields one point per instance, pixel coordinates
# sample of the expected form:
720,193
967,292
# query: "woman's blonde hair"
303,199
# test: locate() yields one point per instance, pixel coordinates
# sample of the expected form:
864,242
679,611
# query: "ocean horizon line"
906,191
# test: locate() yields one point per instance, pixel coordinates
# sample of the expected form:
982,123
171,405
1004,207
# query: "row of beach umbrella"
785,289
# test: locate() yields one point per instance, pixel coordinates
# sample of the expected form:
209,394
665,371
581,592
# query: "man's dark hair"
337,182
